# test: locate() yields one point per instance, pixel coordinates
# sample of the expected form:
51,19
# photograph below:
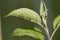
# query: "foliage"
27,32
56,21
32,16
26,14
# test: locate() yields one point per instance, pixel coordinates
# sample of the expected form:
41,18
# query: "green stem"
55,31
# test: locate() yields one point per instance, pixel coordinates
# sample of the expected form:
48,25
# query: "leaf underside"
56,21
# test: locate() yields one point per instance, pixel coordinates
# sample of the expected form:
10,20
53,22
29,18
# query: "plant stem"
43,13
47,30
55,31
47,33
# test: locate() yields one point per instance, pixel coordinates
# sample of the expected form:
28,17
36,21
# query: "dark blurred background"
8,5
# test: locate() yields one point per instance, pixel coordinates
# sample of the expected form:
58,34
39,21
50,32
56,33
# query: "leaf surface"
43,12
26,14
56,21
27,32
43,9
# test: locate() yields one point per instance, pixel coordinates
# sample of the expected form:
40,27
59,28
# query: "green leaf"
37,29
56,21
27,32
26,14
43,12
43,9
